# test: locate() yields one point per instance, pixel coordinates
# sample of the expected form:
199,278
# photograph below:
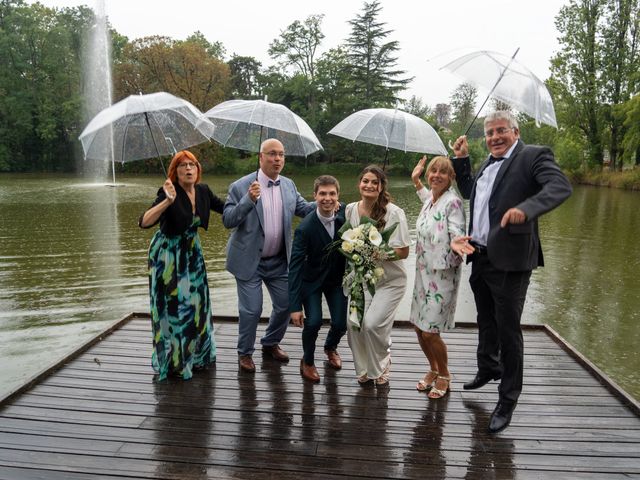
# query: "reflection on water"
72,260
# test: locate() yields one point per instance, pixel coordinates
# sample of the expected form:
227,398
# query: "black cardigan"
177,218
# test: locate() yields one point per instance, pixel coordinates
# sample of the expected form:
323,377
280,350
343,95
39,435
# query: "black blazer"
313,265
530,180
177,218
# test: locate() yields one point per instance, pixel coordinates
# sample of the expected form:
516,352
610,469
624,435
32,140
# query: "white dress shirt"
484,187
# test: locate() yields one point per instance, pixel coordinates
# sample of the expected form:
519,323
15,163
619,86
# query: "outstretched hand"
461,245
418,170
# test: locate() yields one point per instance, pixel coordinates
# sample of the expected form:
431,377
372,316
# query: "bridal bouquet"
365,248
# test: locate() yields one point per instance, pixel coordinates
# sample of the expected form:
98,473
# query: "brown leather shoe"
309,372
276,352
334,359
246,363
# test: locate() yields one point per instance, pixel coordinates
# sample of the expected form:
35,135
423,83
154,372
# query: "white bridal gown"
371,346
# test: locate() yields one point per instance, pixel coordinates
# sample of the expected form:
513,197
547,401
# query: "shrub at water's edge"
627,179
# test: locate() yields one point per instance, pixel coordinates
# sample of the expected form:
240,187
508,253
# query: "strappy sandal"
435,392
363,380
383,379
425,384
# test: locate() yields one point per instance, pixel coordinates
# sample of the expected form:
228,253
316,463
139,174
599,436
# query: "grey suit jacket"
245,218
529,180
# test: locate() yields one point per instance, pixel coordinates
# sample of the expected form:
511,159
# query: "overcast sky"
429,31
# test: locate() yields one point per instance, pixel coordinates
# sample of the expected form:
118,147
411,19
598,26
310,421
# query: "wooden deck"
101,416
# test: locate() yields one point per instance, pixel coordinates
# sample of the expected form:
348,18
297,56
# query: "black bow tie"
272,183
493,159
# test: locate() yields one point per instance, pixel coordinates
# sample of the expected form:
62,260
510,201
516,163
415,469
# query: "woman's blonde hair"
440,162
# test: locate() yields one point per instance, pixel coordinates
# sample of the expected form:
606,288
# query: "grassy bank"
627,179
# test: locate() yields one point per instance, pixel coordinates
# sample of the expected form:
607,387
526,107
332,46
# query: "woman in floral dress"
371,345
437,269
183,338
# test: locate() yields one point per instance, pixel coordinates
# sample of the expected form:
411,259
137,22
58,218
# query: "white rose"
378,272
347,246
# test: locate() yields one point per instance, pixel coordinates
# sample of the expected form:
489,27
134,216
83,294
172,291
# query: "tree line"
594,82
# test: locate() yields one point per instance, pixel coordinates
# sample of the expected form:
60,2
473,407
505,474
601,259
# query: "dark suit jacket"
312,264
530,180
177,218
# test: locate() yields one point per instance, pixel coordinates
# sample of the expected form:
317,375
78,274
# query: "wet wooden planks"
101,416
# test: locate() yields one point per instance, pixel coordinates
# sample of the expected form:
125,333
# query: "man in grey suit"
260,208
513,187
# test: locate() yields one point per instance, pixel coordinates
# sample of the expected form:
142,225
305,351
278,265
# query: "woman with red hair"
180,305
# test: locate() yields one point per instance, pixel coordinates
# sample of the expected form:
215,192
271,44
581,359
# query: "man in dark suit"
513,187
315,270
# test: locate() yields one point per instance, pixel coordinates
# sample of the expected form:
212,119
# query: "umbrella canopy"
144,126
390,128
244,124
508,80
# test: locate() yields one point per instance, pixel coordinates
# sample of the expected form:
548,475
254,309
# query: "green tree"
632,123
417,107
575,71
298,45
376,79
244,76
443,115
186,69
463,104
40,101
620,64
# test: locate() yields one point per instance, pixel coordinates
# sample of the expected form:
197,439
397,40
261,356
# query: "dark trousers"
337,303
500,297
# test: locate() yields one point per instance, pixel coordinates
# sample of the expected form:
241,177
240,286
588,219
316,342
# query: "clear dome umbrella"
507,80
244,124
390,128
144,126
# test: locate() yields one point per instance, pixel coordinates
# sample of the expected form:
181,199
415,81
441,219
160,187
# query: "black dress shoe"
501,417
480,381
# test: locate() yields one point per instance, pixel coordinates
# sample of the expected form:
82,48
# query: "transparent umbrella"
507,80
390,128
244,124
144,126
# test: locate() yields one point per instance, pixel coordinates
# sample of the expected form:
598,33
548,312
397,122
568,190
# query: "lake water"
73,260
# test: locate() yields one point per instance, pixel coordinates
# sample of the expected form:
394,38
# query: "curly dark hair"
379,209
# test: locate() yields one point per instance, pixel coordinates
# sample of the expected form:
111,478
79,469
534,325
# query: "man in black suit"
315,270
513,187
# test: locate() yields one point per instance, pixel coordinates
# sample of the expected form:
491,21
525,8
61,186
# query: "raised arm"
462,166
166,196
239,203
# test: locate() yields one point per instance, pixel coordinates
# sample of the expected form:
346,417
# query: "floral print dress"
437,277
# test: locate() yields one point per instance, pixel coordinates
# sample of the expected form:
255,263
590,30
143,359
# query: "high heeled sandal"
435,392
424,385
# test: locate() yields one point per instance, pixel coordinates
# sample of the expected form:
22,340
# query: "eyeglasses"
274,154
187,164
497,131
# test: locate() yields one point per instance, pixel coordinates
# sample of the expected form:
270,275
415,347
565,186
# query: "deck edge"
66,358
591,367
